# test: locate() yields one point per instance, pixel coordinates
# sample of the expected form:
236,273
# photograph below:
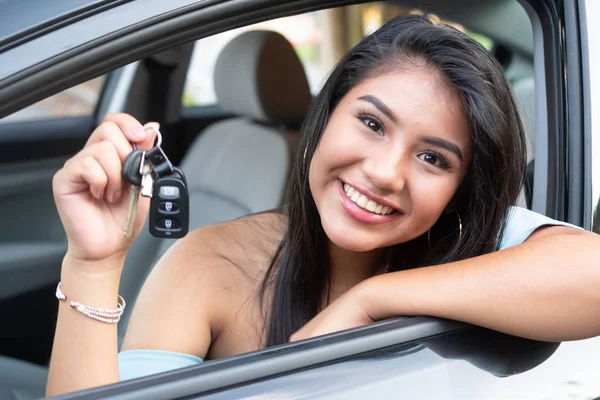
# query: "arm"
547,288
171,313
84,353
86,190
89,199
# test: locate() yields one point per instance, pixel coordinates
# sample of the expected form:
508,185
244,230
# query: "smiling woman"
380,151
408,120
413,154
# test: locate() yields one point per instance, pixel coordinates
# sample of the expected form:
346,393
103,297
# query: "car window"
306,32
77,101
320,38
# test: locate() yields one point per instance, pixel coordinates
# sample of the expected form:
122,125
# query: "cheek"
430,197
339,146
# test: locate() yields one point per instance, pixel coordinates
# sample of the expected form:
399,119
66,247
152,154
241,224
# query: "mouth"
365,208
365,202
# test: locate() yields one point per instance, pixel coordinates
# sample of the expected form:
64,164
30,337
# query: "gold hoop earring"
459,230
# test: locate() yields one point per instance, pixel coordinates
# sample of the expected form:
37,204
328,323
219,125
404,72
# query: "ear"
451,206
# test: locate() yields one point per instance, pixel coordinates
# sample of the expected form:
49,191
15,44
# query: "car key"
165,185
169,208
133,169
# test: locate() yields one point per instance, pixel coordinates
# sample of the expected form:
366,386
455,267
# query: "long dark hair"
300,270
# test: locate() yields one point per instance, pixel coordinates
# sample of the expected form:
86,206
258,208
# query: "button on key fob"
169,207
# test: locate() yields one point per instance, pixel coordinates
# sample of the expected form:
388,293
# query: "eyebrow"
380,106
432,140
436,141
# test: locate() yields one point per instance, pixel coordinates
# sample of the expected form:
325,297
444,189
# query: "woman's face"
394,152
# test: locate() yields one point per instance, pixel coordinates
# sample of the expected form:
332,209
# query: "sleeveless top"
136,363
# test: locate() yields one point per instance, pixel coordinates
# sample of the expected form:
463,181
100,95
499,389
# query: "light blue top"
137,363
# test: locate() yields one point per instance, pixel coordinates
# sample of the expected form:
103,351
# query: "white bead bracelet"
108,315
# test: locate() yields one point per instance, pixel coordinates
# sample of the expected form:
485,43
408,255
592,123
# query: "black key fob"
132,167
169,207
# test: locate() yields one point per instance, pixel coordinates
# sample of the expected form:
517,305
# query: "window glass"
319,38
305,32
76,101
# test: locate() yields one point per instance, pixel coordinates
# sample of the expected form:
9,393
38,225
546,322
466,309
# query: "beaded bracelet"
108,315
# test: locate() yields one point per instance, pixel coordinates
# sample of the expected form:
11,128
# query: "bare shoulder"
241,245
199,280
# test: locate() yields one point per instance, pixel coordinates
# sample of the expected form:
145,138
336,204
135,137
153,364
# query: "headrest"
259,75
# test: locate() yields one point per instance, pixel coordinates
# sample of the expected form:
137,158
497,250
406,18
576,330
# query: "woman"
412,155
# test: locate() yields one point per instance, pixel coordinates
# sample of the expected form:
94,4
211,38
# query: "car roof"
24,17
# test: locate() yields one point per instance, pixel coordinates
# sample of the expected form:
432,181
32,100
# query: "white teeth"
371,206
364,202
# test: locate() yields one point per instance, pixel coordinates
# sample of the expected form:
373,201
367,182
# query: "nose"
388,168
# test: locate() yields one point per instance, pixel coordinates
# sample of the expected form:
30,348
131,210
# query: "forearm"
84,353
546,289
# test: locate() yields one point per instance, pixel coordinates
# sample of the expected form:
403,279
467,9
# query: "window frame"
221,375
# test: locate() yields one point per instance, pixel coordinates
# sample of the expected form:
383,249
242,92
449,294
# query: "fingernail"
154,125
140,133
116,196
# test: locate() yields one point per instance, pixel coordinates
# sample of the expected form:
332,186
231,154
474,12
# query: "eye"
435,159
372,123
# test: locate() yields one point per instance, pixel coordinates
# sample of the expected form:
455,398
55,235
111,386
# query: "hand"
349,311
90,195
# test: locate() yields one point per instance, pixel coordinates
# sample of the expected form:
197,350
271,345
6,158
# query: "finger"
152,129
93,174
106,156
80,174
131,127
111,132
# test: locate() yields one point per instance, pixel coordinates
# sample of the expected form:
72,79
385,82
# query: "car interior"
237,153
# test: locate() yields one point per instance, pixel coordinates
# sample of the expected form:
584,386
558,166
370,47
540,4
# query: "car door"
34,144
430,358
419,357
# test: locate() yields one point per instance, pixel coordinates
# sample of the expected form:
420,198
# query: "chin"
349,241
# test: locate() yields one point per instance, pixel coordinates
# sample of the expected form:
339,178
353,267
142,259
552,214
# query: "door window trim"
274,361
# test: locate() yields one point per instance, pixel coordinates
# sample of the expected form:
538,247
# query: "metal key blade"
132,210
147,180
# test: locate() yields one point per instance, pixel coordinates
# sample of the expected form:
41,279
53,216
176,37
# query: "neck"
350,268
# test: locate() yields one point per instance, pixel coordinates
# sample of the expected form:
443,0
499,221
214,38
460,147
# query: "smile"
365,202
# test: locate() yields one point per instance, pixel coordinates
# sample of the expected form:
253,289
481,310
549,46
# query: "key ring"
158,135
158,141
